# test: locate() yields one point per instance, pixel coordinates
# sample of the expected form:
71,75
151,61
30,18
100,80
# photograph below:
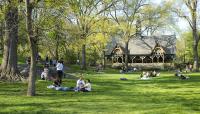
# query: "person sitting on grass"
87,87
144,76
178,73
80,83
56,82
123,70
44,75
154,74
181,76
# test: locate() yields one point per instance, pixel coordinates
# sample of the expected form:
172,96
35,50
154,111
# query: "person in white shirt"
87,86
144,76
44,75
80,83
59,68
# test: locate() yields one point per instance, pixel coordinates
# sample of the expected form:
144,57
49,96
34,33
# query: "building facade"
144,50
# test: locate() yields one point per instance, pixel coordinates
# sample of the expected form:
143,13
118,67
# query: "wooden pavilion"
143,50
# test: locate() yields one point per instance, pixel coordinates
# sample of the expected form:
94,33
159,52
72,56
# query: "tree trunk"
9,69
195,37
126,55
57,45
195,51
83,66
33,47
1,38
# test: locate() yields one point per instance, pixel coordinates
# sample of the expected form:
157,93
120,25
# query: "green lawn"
162,95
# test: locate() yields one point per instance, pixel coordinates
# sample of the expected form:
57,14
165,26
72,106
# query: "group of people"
180,75
147,75
82,85
51,62
57,77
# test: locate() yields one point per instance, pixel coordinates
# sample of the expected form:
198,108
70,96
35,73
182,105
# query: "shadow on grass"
161,94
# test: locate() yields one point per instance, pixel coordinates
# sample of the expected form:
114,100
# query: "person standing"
59,68
47,60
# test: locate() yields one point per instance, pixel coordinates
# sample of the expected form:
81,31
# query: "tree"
84,14
127,19
184,47
9,69
192,6
32,43
1,37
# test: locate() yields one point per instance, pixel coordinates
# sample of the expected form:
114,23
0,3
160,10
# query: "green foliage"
184,47
63,26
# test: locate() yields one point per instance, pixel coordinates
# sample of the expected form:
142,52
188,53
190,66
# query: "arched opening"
147,59
159,53
160,59
120,60
137,59
155,60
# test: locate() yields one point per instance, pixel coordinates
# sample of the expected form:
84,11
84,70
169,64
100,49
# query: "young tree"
9,63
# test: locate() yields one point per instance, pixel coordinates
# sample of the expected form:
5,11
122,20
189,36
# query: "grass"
161,95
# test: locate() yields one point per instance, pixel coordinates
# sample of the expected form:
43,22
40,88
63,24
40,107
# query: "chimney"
138,28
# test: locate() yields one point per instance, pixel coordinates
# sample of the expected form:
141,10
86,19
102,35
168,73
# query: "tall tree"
1,37
192,6
9,69
84,14
33,47
126,20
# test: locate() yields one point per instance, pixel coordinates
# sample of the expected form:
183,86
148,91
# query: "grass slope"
162,95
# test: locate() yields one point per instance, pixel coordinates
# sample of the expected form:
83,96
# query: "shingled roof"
145,44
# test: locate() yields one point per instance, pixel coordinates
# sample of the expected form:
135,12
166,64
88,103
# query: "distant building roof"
145,44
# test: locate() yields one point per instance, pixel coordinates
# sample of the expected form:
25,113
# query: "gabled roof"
118,49
145,44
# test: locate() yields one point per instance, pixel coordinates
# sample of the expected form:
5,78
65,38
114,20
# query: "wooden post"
157,56
152,57
133,58
163,58
112,59
142,57
122,59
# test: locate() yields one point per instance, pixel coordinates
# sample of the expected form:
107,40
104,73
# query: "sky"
181,23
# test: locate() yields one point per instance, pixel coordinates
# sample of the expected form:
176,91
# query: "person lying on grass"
181,76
